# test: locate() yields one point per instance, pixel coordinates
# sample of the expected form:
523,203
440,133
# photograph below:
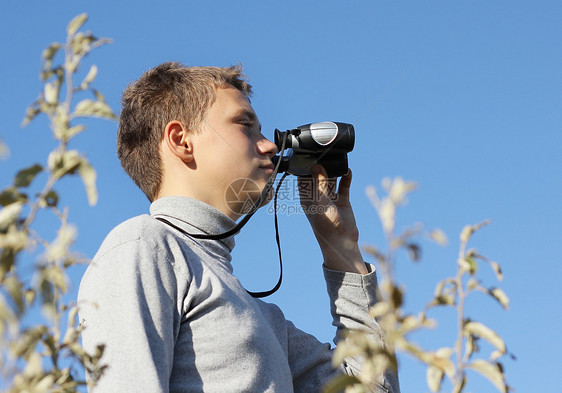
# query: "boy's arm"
351,283
127,302
332,220
351,297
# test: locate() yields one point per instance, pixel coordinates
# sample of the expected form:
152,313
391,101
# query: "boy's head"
171,91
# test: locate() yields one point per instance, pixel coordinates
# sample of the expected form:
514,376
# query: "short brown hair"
170,91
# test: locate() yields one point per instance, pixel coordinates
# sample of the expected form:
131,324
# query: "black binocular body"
326,143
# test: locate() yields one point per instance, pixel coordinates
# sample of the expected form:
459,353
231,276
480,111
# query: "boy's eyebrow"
245,112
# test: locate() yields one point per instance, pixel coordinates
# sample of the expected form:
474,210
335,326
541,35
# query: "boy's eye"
247,124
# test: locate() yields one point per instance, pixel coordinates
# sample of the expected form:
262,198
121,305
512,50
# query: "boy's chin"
254,197
242,194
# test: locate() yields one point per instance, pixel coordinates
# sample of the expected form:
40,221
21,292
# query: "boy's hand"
332,220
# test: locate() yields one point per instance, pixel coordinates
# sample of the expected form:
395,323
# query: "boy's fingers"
326,186
320,178
345,185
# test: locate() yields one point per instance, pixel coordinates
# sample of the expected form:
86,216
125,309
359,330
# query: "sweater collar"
194,216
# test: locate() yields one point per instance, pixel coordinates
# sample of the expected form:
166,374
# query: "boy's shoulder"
140,228
139,244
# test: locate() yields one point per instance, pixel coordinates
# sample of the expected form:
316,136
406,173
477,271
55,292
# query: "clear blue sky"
462,97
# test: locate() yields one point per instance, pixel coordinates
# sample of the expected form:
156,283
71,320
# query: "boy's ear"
177,139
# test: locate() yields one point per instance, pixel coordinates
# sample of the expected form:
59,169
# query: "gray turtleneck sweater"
174,318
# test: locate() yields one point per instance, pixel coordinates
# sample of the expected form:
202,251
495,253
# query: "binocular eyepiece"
326,143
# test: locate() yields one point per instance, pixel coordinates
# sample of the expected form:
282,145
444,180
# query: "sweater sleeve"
127,301
351,297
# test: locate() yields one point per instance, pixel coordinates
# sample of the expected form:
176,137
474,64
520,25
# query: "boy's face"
230,147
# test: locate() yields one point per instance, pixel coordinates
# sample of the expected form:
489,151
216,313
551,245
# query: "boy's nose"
265,146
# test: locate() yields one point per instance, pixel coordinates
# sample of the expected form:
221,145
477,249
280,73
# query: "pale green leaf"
379,309
34,366
496,355
471,264
51,93
466,233
439,237
497,270
61,123
396,296
72,314
27,340
92,108
7,315
92,73
98,94
77,349
428,323
472,283
48,54
500,296
434,378
374,366
50,51
25,176
32,111
45,384
15,288
410,323
481,225
442,360
85,107
399,189
491,371
14,239
444,295
88,175
387,214
76,23
59,248
441,285
339,383
70,335
9,214
471,347
445,352
72,131
61,164
463,265
30,296
375,252
482,331
81,46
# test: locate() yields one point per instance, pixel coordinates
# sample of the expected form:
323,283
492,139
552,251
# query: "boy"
166,305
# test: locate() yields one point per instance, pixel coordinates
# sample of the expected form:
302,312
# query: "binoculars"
326,143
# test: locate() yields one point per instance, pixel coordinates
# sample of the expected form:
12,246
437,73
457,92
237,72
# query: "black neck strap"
222,236
246,218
